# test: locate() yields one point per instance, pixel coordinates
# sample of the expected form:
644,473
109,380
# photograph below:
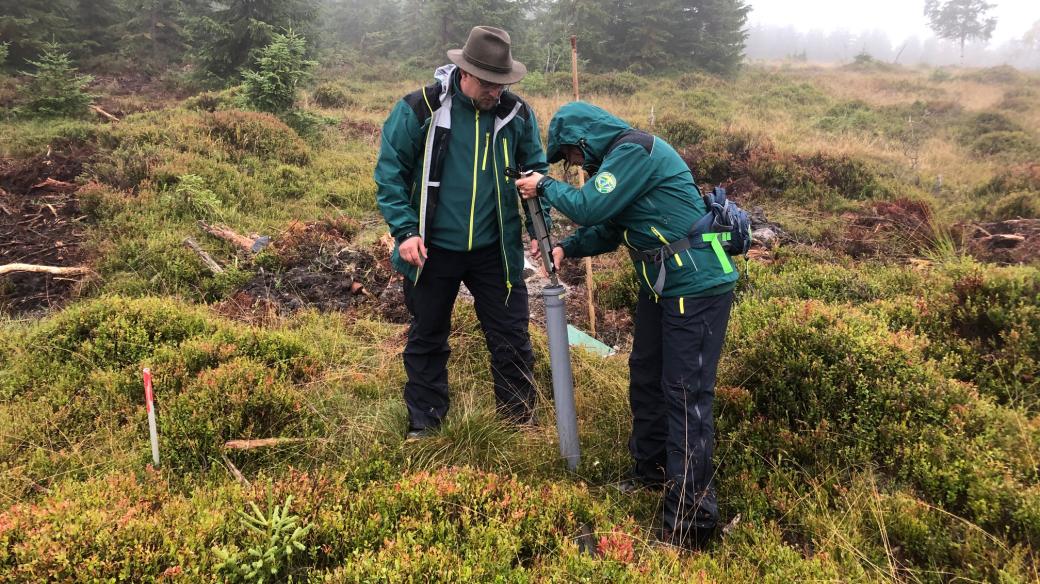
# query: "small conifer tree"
55,89
280,69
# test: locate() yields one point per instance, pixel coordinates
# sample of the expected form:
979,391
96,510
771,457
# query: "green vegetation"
55,89
280,69
878,406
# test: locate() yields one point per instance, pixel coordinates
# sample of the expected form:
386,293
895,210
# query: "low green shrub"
238,399
853,116
990,75
833,387
994,143
1016,205
681,131
621,83
331,95
211,101
257,134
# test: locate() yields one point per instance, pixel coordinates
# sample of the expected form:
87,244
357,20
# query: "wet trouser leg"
426,352
690,340
503,316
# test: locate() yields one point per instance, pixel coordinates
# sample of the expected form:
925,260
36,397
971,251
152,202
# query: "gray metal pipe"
562,377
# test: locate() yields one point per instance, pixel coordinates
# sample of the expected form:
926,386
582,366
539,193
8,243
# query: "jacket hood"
589,127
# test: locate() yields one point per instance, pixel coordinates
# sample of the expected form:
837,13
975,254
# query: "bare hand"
413,251
528,186
557,257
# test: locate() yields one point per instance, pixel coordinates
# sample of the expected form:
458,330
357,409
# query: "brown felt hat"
486,55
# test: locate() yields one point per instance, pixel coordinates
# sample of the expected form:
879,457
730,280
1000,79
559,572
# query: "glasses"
487,85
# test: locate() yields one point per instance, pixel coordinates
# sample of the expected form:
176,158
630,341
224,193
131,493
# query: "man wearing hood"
642,195
455,218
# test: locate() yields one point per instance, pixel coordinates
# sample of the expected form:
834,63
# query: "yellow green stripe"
476,158
678,261
505,152
501,229
487,142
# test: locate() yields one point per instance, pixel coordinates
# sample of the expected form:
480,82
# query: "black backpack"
725,218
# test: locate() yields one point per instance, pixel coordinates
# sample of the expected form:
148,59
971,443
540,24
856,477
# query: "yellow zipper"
678,260
487,142
682,306
505,152
476,158
501,229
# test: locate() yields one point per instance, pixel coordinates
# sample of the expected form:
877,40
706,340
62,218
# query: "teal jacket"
640,194
441,172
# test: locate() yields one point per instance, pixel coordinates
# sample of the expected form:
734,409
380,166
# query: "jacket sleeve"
531,156
622,178
592,240
399,155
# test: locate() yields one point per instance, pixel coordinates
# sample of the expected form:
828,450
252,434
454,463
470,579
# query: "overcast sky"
898,18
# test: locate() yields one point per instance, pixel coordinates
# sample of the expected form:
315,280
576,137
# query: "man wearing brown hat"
455,218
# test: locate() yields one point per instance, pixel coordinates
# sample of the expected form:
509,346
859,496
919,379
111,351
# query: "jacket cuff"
405,234
540,187
568,245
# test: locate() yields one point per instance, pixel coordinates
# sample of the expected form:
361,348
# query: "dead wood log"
206,258
264,442
251,245
104,114
1003,240
58,186
53,270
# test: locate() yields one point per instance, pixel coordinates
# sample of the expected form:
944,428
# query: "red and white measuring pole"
150,404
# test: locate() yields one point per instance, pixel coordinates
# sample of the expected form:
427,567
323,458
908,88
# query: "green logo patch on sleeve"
605,182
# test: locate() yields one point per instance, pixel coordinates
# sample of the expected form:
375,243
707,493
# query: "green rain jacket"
441,172
640,194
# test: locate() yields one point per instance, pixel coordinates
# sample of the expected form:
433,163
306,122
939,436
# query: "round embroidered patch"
605,182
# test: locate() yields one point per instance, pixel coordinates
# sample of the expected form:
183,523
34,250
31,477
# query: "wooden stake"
581,183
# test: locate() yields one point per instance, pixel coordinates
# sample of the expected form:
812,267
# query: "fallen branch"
206,259
104,114
234,470
53,270
59,186
264,442
249,244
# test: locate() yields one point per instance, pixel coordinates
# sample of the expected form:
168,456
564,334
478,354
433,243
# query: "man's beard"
488,104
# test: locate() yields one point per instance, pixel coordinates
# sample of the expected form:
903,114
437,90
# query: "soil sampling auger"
556,327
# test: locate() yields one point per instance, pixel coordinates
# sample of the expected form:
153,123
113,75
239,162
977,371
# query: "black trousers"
675,356
430,303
